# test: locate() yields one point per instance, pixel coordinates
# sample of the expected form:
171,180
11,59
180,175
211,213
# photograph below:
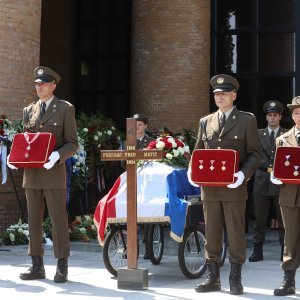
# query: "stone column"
171,61
20,23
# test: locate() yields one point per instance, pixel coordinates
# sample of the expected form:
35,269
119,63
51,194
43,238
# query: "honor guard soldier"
289,201
48,184
265,192
227,128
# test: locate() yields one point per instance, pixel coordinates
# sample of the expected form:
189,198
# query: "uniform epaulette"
66,102
247,113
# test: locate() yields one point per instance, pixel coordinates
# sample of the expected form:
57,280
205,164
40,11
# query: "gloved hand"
53,158
189,173
10,165
240,178
274,180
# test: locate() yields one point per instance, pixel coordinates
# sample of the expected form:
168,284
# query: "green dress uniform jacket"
59,119
240,133
289,201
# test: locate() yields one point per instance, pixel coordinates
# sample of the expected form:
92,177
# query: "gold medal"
201,166
287,163
223,168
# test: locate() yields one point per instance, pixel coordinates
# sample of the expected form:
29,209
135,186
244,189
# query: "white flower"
113,128
20,230
186,149
82,230
96,138
26,232
181,150
175,152
109,132
12,237
85,129
169,156
160,145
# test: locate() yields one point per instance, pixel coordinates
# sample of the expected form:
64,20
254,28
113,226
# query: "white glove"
10,165
274,180
240,178
53,158
189,173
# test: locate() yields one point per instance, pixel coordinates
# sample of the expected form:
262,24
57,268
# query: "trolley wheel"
115,251
155,243
191,254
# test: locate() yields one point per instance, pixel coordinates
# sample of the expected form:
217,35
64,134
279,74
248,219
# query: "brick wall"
19,55
170,61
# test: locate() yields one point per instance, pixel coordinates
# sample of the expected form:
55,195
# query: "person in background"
265,192
48,184
289,201
142,141
227,128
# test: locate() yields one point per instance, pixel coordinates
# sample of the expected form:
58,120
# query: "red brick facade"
19,55
170,61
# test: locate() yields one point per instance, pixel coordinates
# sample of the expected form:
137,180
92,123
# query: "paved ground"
89,278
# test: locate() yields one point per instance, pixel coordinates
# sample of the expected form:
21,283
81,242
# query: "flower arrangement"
17,234
98,132
173,150
80,169
83,228
7,130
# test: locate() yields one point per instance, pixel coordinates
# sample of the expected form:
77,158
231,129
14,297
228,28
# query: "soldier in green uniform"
48,184
289,201
227,204
265,192
142,141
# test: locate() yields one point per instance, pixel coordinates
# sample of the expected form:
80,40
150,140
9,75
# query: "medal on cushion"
296,173
223,168
287,163
212,165
26,136
201,164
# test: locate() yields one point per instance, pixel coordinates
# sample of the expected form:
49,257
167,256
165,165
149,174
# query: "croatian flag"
160,198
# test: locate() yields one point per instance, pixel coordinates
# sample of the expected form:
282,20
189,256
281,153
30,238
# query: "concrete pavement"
88,276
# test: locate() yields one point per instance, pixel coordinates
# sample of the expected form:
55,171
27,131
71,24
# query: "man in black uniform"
265,192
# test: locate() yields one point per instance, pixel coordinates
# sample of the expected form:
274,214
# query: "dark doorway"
103,58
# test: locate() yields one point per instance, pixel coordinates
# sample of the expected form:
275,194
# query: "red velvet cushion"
214,167
287,164
23,155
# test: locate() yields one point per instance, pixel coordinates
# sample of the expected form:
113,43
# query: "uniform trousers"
262,206
233,213
56,204
291,221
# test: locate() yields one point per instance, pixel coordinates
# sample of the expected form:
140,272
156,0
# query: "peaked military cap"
141,118
295,103
224,83
273,106
44,74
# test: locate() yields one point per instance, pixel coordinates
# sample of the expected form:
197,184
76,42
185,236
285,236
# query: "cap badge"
272,104
298,100
220,80
40,71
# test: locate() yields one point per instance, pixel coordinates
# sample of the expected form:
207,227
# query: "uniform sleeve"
70,142
253,149
199,141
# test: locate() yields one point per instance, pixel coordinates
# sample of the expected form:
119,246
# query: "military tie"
222,121
298,138
43,110
272,138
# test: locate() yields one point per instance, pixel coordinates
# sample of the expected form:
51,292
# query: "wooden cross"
131,156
